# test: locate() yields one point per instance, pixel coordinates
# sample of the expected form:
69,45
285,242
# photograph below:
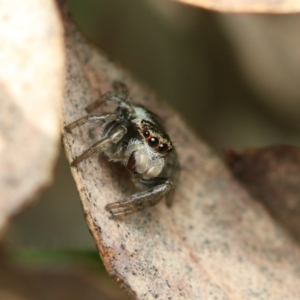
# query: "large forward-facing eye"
163,148
153,142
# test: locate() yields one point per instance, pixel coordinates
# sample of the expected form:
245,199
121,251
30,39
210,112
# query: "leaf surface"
272,175
215,242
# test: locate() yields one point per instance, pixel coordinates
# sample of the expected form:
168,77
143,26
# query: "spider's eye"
153,142
162,148
146,133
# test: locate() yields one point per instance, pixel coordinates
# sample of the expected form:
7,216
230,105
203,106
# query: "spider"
133,136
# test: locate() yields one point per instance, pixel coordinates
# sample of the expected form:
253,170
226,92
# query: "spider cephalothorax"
133,136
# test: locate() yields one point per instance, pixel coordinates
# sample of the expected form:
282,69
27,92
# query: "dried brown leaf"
215,242
31,84
249,6
272,175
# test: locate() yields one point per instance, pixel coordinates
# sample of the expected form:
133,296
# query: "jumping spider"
133,136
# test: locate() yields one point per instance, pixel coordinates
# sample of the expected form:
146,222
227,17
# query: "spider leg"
158,188
172,171
94,105
121,89
91,119
114,136
121,102
119,96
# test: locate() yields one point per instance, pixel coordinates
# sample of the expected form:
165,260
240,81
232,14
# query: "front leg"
112,138
158,188
119,96
104,118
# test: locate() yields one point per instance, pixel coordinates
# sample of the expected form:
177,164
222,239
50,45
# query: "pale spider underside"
133,136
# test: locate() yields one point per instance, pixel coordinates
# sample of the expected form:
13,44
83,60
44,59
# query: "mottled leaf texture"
215,242
272,175
31,84
247,6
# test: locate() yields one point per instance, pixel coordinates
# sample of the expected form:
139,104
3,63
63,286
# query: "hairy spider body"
135,137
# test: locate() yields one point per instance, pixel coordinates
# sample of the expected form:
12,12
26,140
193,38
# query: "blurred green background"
234,78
